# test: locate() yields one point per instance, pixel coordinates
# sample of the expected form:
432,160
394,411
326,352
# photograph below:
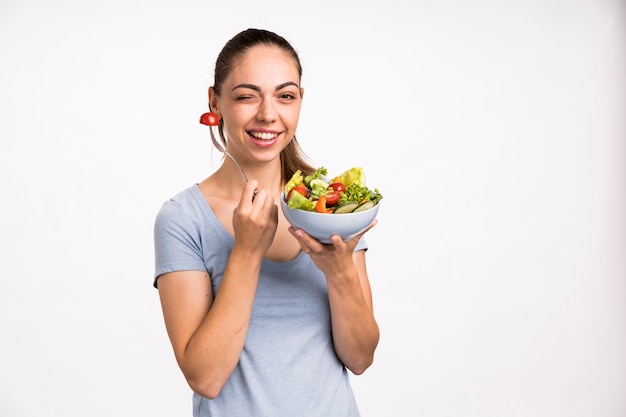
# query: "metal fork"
221,148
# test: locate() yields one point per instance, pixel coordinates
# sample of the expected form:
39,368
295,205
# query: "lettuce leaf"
356,193
298,201
296,179
354,175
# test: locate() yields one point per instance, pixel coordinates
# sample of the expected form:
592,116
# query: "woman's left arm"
355,331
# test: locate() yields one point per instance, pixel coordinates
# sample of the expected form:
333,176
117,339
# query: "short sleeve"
361,245
177,243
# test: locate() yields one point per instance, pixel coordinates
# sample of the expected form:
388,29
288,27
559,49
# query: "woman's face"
260,103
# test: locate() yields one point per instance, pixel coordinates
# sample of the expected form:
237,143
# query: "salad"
345,193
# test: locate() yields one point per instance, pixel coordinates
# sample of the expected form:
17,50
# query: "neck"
269,175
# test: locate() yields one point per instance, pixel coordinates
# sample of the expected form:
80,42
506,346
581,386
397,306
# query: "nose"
267,111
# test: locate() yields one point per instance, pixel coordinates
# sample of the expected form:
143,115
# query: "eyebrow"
257,88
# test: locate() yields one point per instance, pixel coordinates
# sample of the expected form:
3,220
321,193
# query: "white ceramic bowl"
322,226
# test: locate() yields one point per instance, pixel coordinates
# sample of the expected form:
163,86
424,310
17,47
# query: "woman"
263,319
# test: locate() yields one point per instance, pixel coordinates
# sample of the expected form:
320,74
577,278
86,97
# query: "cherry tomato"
332,198
210,119
338,186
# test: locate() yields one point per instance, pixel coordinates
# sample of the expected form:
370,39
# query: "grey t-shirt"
288,366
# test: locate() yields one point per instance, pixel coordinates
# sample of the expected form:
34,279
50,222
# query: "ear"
213,101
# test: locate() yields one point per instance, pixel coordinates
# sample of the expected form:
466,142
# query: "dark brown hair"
292,157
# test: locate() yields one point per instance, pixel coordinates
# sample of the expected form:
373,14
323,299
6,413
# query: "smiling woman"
495,130
264,319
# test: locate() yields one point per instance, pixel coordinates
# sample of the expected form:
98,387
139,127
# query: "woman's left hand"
329,257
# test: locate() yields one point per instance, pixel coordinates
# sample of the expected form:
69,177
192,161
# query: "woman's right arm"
208,333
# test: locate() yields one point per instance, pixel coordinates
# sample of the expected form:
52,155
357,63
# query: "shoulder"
186,201
182,210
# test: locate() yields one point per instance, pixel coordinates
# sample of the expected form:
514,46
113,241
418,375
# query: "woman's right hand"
255,219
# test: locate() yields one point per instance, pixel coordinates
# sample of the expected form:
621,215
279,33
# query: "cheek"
294,116
234,119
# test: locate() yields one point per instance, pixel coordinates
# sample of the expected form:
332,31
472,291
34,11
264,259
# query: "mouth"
264,136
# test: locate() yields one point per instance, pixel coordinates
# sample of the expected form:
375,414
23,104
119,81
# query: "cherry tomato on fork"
210,119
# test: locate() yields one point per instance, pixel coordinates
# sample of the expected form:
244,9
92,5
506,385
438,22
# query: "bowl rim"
286,205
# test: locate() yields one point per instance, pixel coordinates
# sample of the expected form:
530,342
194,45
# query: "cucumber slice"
347,208
364,206
318,181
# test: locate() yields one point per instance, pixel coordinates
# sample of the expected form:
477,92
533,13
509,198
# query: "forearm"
355,331
214,350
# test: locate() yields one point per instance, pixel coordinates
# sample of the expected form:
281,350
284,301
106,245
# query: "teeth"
263,135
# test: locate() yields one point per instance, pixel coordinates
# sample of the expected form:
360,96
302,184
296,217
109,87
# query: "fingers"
249,192
309,244
252,195
338,243
255,218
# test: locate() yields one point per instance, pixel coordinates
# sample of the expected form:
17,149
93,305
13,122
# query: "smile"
263,135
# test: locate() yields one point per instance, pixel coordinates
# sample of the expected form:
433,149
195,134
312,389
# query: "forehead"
264,64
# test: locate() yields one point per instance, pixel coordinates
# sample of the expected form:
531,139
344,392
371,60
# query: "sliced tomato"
337,186
332,198
300,188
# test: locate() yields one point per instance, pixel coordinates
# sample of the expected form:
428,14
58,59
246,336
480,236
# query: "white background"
494,129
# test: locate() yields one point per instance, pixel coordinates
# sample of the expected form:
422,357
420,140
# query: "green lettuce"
356,193
296,179
298,201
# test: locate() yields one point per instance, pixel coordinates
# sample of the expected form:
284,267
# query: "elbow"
206,380
206,389
207,384
361,367
359,363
